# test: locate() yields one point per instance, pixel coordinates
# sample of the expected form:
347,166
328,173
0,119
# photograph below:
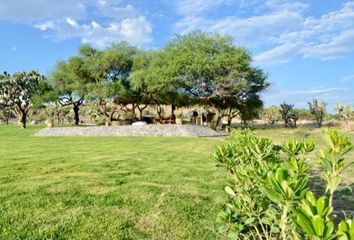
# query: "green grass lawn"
115,188
107,188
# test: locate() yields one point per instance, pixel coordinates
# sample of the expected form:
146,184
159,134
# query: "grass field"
115,188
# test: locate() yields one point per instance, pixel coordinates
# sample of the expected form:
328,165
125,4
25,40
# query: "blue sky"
306,47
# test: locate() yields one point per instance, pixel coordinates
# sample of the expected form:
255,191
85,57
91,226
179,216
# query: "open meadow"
117,188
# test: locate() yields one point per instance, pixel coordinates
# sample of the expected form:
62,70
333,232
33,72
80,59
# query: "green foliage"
269,195
56,113
21,91
193,69
346,230
5,113
207,69
272,114
313,217
304,114
332,160
71,80
248,160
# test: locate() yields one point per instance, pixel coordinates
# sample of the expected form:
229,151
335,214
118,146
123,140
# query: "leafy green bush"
268,190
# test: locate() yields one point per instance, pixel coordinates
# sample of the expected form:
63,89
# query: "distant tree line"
287,113
196,69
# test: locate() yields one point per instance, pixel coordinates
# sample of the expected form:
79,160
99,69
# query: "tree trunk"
218,119
173,108
229,120
159,111
141,109
23,120
109,118
76,113
108,121
140,113
319,123
295,124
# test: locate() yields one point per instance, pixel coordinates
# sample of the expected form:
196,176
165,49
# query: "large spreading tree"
211,71
111,90
71,80
141,82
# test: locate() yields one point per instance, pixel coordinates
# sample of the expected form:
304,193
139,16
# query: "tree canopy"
71,79
210,70
202,69
20,91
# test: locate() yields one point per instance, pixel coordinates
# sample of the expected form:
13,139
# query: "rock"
139,124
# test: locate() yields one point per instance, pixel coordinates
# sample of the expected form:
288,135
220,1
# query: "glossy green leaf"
321,205
305,224
343,226
311,198
319,225
328,229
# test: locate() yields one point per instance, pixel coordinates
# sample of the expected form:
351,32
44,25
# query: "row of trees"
194,69
290,116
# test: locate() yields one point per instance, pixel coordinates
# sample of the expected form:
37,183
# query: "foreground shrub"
268,190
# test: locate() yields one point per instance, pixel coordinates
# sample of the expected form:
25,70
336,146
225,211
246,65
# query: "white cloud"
108,20
280,30
276,55
195,7
327,37
40,10
252,31
288,5
45,25
330,95
347,78
108,10
136,31
338,46
316,91
72,23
